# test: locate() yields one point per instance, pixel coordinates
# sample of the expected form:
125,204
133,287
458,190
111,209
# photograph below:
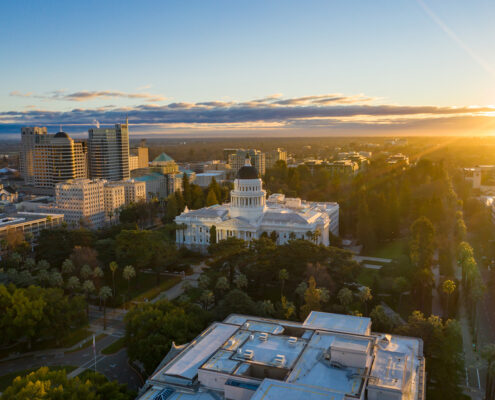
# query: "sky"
269,67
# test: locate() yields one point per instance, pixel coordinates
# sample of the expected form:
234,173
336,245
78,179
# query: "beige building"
114,195
30,137
82,201
237,158
49,159
134,191
273,156
141,152
93,202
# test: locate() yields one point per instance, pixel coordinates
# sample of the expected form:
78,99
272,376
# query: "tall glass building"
109,152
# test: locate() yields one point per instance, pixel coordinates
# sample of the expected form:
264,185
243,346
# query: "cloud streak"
328,111
86,95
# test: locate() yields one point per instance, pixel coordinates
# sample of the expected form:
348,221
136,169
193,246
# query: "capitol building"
250,214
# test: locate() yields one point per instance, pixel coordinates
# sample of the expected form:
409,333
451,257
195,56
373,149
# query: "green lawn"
114,347
395,250
6,380
144,287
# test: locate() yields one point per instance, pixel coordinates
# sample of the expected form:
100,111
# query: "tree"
86,272
128,273
311,298
113,267
235,302
104,294
448,288
222,284
211,198
381,322
345,297
240,281
73,284
88,287
488,354
213,234
152,329
283,275
186,190
207,298
365,231
365,297
67,267
54,384
422,247
172,208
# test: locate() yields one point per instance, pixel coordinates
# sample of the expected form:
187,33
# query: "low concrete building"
328,356
204,179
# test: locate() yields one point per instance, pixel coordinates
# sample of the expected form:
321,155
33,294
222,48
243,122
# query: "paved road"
114,366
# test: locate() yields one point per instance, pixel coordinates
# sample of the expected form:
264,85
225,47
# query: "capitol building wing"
250,214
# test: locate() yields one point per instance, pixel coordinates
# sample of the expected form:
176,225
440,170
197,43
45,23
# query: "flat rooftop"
328,356
338,322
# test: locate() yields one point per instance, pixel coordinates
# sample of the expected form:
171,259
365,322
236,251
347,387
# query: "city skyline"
323,68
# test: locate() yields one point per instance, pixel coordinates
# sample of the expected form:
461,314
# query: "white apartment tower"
109,152
82,201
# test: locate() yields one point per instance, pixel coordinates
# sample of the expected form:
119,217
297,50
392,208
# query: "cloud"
105,94
16,93
317,112
86,95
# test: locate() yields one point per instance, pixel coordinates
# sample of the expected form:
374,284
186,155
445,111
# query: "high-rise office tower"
109,152
237,158
49,159
30,136
59,158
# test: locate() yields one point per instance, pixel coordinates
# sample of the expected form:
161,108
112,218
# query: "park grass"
6,380
114,347
151,293
144,288
394,250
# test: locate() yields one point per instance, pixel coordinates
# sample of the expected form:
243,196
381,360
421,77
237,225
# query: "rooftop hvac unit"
249,354
251,337
239,351
292,340
263,336
280,359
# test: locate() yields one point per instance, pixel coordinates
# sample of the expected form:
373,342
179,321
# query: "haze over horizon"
279,68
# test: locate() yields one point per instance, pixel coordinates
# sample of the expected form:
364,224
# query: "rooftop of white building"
327,356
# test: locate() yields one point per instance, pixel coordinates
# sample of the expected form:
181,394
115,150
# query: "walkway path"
176,290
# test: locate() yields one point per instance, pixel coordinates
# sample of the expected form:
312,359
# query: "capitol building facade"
250,214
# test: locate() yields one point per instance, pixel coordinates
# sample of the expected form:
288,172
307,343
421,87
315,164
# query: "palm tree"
448,288
105,293
207,298
88,287
365,296
345,297
283,275
128,273
85,271
222,284
73,283
113,267
67,267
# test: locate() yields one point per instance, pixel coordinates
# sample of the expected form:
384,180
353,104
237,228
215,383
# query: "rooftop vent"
279,359
249,354
263,336
292,340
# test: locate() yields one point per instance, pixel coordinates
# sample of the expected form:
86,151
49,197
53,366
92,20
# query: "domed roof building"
250,215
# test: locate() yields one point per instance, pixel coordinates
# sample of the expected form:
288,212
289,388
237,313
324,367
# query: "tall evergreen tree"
211,199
